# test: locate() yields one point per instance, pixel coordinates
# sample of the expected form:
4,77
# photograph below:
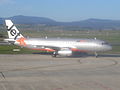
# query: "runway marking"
2,75
42,67
114,62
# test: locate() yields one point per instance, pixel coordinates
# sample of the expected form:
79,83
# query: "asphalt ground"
43,72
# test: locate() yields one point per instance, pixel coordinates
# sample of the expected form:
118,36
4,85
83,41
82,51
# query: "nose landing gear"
96,55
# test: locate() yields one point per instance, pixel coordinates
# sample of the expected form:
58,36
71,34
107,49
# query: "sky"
62,10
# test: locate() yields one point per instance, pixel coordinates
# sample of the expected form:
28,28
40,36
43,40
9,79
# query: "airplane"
59,46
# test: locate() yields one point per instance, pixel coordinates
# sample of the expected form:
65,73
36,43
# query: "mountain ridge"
91,23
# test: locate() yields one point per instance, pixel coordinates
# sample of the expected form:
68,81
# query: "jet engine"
65,52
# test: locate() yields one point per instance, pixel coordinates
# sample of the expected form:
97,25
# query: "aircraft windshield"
104,43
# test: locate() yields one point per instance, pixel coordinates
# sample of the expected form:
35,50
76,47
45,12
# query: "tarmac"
43,72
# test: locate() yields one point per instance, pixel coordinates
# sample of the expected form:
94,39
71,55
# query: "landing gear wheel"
96,55
54,54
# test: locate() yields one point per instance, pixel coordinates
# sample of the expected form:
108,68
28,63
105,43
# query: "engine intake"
65,52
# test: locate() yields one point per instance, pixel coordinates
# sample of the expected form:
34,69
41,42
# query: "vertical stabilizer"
13,32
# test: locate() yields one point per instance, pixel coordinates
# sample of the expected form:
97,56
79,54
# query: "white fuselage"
57,46
87,45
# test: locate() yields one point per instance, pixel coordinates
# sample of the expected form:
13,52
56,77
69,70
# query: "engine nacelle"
65,52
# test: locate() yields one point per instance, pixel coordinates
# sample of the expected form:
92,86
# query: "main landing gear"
54,54
96,55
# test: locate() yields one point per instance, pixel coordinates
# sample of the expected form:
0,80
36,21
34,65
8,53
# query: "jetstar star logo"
22,41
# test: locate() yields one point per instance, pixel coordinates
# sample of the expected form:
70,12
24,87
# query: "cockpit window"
104,43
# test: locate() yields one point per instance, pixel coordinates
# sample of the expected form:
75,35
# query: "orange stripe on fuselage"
49,50
22,41
78,50
52,50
